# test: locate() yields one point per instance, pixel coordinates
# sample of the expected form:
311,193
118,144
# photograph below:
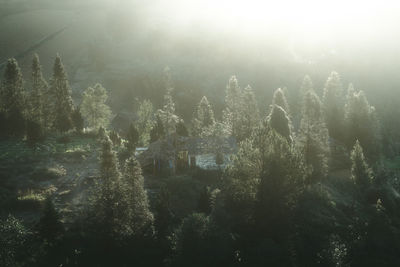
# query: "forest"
168,157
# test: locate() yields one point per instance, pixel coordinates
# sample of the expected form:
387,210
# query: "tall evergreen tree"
313,138
249,115
13,99
164,216
50,226
279,99
362,123
139,208
132,138
157,132
280,122
233,102
203,121
61,92
167,114
361,174
109,203
332,100
306,86
93,106
38,94
145,121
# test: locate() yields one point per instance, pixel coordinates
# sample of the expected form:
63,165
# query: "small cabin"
179,154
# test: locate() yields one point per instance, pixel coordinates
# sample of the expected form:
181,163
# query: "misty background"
125,45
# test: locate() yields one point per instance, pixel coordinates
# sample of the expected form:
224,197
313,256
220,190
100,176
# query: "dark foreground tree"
13,99
61,93
139,212
50,226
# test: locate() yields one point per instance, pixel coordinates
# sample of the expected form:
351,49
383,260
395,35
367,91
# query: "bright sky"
314,19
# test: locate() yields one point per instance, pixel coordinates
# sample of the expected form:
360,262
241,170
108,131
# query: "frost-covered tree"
94,108
280,122
38,101
203,122
233,102
249,115
361,174
139,208
13,99
157,132
306,86
167,114
362,123
61,93
279,99
313,137
145,121
333,106
132,137
108,213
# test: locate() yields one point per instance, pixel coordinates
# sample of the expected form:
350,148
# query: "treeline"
272,206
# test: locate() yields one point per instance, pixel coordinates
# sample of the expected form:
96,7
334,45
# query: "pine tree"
157,132
306,86
362,123
77,120
61,93
50,226
109,203
280,122
167,114
164,216
233,102
281,181
249,115
332,100
139,208
93,106
279,99
132,137
39,109
361,174
203,121
13,99
313,138
145,121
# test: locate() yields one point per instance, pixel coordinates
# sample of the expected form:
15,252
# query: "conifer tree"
13,99
50,226
77,120
361,174
145,121
233,102
109,203
362,123
61,92
332,100
181,129
313,138
167,114
93,106
279,99
281,180
132,138
139,208
280,122
39,109
249,115
203,121
306,86
163,216
157,132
